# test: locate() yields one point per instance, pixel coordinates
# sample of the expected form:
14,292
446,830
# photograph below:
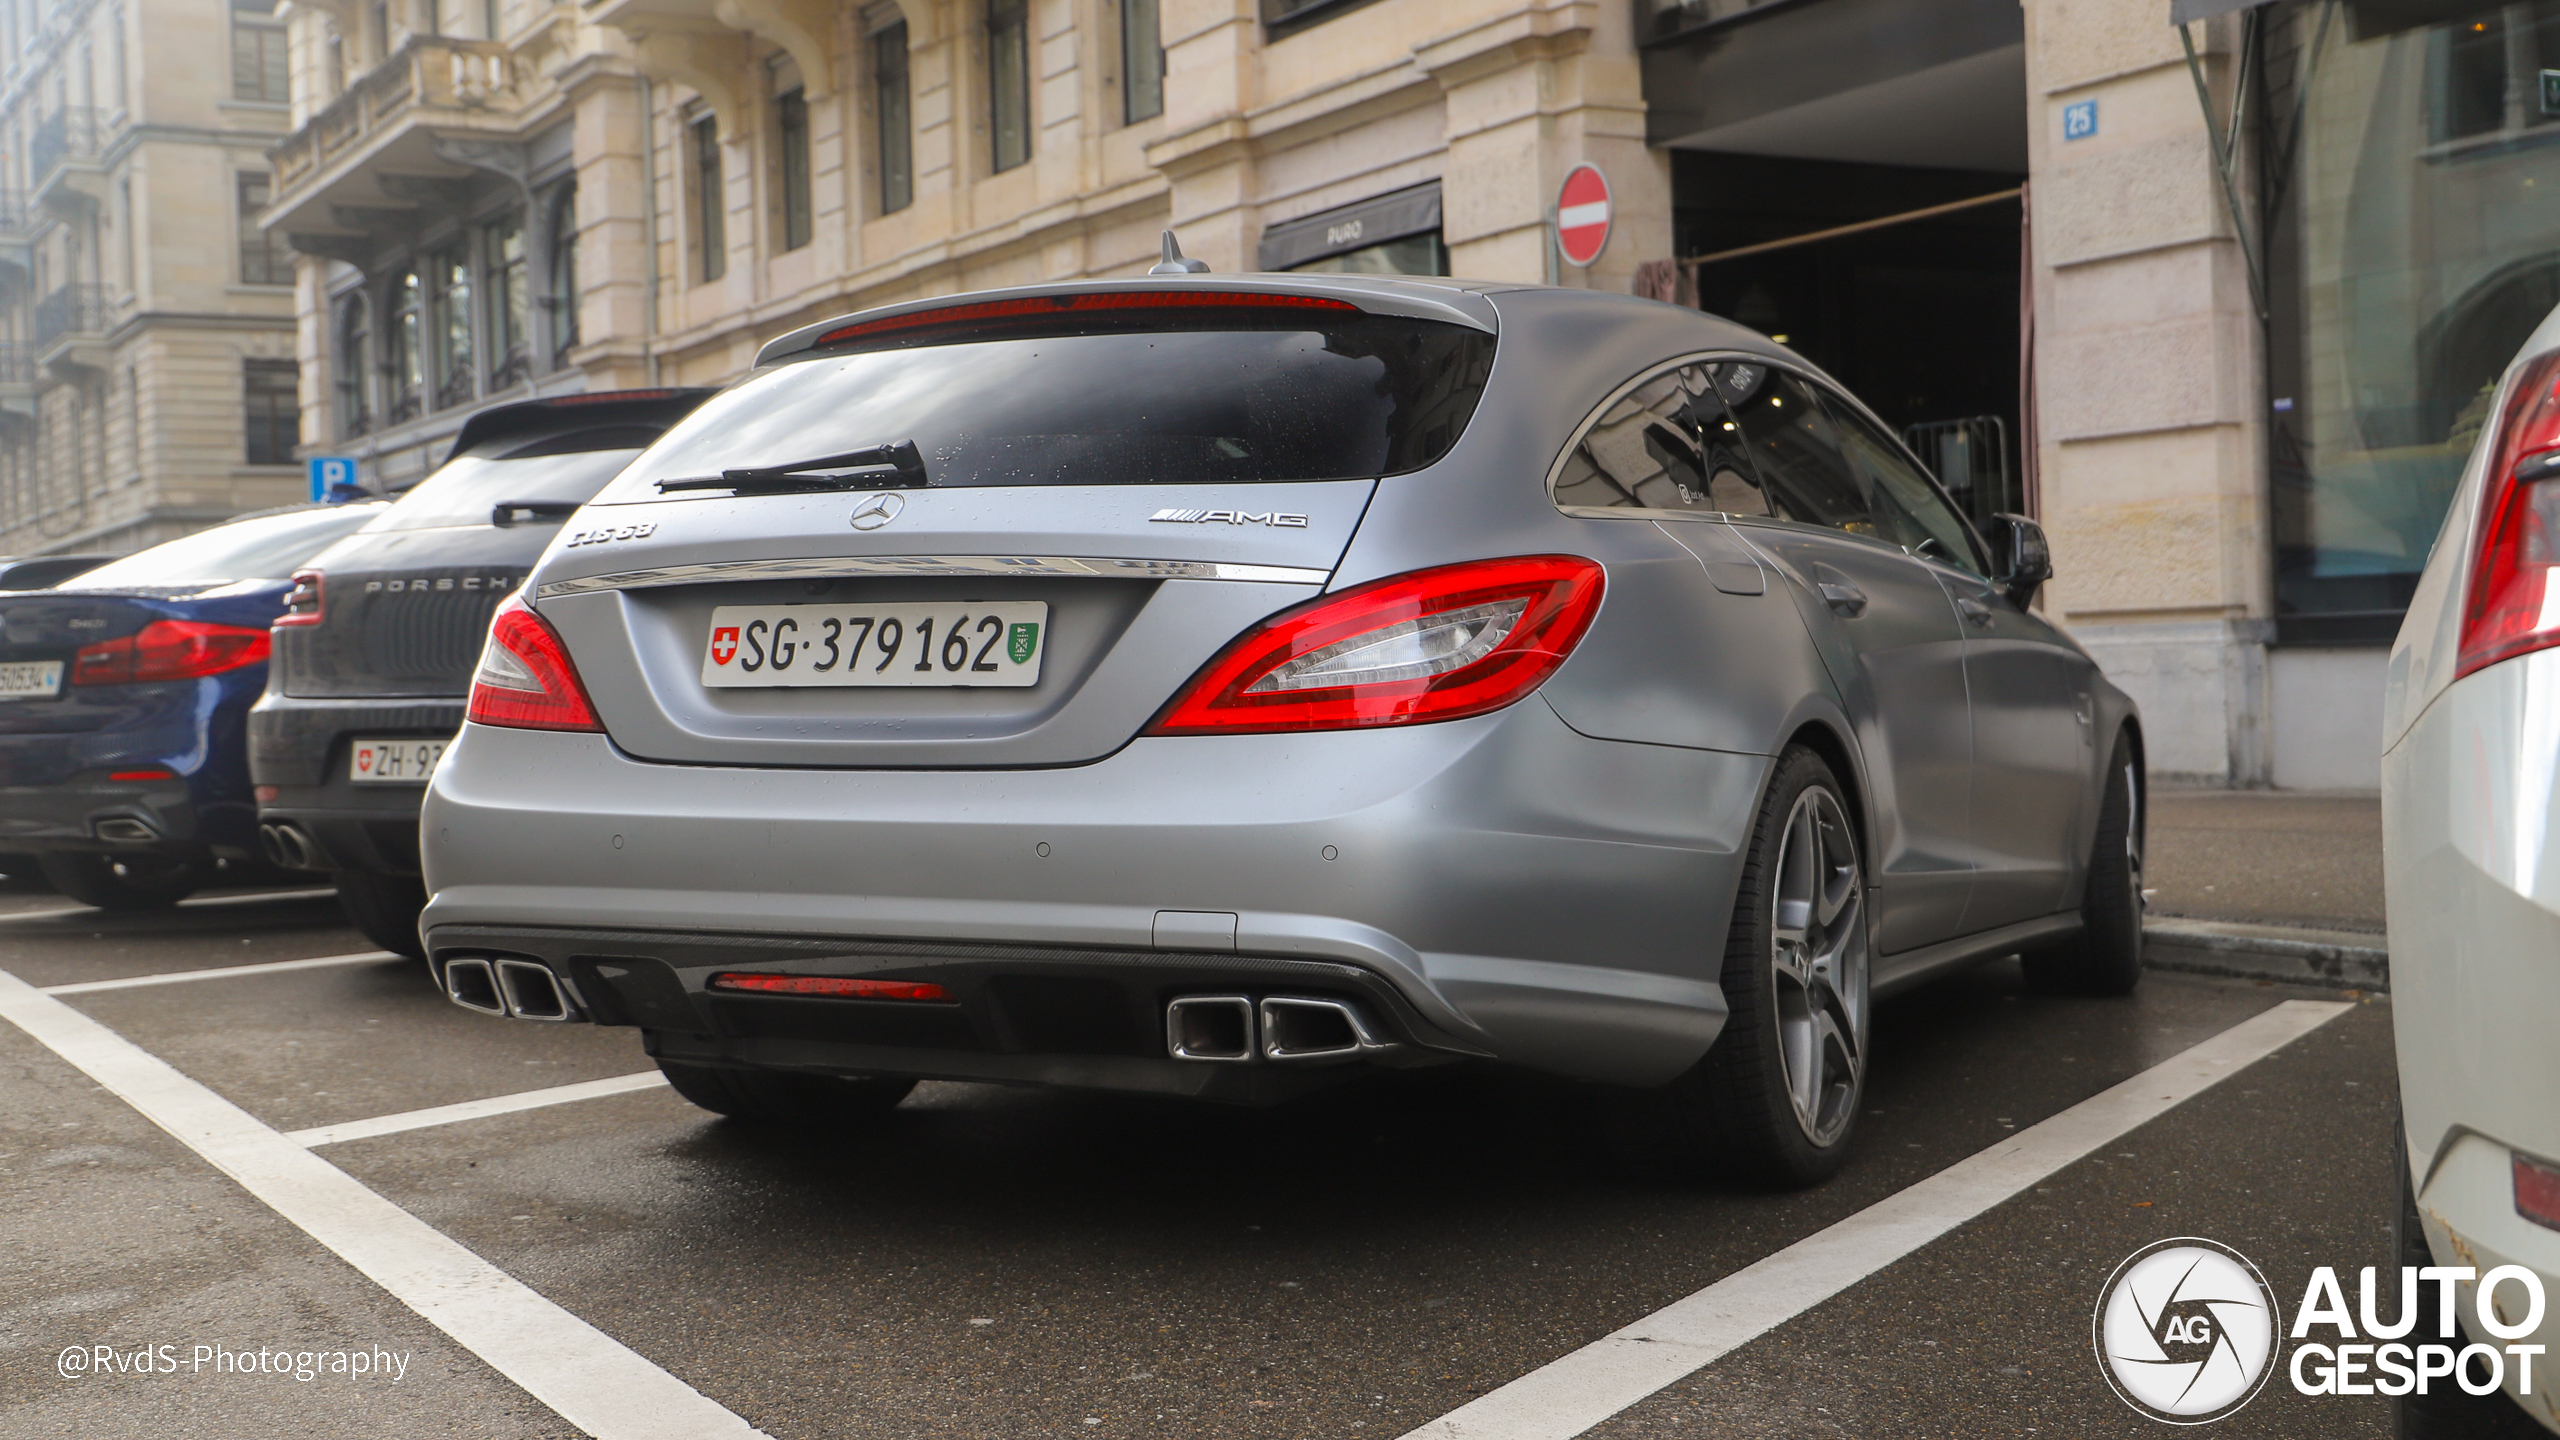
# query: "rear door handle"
1846,599
1973,610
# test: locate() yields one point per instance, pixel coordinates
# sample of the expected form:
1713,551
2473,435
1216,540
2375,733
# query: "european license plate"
31,680
876,645
395,762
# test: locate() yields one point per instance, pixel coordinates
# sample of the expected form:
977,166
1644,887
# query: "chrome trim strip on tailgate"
853,566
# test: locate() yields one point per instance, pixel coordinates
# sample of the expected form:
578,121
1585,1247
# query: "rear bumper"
1517,890
300,746
161,816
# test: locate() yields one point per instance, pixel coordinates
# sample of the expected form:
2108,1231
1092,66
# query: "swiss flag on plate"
364,757
724,644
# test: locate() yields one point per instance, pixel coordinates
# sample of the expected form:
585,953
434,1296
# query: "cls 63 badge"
608,533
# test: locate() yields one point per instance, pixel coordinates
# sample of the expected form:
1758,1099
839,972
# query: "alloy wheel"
1818,962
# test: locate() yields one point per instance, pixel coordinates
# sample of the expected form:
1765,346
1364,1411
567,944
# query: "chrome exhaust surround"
1215,1028
120,830
286,846
1304,1030
532,992
470,983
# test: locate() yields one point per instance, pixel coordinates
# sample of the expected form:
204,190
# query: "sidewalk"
2269,884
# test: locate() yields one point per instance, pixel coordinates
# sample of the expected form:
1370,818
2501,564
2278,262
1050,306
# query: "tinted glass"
1237,400
463,491
270,547
1794,451
1668,444
1907,507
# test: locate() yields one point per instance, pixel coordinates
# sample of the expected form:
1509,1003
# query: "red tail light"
169,650
525,680
2537,1192
1436,644
2514,605
833,986
302,603
1044,307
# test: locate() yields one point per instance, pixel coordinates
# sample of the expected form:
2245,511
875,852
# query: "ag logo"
724,644
1022,642
2186,1331
875,511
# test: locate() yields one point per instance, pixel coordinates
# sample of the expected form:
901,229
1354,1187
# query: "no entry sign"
1582,215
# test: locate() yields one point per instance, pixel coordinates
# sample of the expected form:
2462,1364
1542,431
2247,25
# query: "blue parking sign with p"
328,470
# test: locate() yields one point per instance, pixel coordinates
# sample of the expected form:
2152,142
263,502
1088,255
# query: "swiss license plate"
395,762
903,644
30,680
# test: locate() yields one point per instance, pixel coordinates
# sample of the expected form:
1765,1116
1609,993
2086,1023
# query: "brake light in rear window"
1042,307
2514,604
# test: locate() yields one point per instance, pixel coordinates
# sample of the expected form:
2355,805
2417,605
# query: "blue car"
124,701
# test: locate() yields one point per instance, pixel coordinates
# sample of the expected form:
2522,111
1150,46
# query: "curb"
2336,959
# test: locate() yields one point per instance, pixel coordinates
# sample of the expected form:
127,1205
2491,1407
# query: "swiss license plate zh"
905,645
394,762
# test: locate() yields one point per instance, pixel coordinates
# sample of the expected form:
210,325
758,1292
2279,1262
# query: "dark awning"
1392,216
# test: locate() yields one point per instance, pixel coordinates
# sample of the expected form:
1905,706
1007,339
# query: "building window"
708,233
791,126
264,260
354,360
274,411
1141,61
257,52
510,303
891,122
408,364
563,297
1009,80
449,302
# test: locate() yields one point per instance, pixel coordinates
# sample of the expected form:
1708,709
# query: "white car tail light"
525,680
2514,604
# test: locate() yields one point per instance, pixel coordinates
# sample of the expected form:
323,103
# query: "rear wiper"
506,511
906,469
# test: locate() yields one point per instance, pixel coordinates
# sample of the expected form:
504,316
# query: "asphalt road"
1014,1263
2272,857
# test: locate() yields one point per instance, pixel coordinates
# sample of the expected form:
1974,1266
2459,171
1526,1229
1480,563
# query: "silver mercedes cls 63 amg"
1211,685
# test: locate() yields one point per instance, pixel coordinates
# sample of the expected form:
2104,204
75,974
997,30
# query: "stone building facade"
147,356
2028,234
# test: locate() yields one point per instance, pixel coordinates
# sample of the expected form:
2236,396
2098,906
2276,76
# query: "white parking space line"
474,1109
1578,1391
174,977
200,901
592,1380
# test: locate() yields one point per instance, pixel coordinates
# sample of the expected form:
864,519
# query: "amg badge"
1230,517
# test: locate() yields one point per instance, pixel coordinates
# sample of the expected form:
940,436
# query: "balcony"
17,386
67,155
357,173
17,241
71,328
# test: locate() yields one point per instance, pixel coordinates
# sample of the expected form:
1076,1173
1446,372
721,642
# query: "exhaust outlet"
471,984
532,992
285,846
1306,1030
123,831
1216,1028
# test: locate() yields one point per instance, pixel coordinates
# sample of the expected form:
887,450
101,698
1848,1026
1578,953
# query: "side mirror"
2023,556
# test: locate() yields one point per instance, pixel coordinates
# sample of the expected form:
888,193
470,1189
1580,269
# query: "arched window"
408,361
354,362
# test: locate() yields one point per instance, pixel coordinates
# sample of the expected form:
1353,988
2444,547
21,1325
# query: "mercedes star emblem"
877,510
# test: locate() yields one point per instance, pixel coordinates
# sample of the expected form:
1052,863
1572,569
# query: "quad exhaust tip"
1284,1029
516,989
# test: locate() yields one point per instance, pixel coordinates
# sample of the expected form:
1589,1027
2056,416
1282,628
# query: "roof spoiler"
560,414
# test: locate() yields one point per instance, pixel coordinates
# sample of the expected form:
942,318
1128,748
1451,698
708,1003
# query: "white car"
2471,849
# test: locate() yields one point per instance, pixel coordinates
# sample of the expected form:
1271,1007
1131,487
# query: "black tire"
2446,1411
125,883
1746,1108
772,1097
2105,958
385,908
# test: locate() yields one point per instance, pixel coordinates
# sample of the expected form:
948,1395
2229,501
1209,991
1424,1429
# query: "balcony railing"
74,132
428,73
13,211
17,364
77,309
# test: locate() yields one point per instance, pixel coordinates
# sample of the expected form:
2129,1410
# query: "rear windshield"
1177,399
466,488
270,547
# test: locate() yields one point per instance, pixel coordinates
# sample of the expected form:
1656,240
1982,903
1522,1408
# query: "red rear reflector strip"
143,775
2538,1192
1045,305
835,986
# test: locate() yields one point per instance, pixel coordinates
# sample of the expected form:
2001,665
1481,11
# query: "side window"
1908,508
1794,451
1665,445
